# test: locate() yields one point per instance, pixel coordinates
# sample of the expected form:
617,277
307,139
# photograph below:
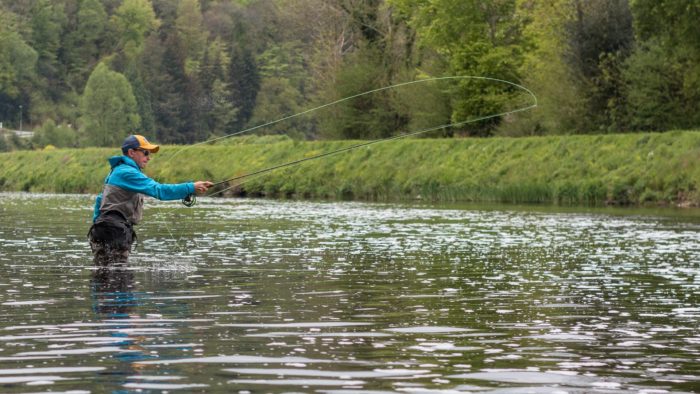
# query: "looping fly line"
419,81
191,200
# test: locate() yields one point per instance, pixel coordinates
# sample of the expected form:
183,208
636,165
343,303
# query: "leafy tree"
575,67
221,111
109,108
143,99
478,38
326,40
276,99
133,21
17,69
200,68
657,92
599,38
17,62
283,77
675,22
216,109
369,116
286,61
166,11
351,47
244,83
47,22
314,40
425,105
560,106
84,41
191,33
214,63
175,97
663,74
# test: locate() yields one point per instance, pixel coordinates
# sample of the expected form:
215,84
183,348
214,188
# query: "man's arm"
136,181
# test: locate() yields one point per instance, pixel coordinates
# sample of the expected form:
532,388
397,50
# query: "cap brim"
150,147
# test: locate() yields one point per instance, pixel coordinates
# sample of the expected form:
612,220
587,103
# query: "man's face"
140,156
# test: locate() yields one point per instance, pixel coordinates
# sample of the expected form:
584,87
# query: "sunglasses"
145,152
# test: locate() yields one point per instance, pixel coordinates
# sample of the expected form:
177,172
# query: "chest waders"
112,235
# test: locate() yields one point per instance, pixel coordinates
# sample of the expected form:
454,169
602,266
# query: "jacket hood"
115,161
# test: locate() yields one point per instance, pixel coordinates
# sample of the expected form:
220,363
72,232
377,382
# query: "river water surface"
251,296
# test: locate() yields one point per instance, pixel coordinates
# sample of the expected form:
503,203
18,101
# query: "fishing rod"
191,199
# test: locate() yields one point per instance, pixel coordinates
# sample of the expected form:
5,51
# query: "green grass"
646,168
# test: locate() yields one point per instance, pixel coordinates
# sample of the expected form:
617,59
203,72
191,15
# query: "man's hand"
202,186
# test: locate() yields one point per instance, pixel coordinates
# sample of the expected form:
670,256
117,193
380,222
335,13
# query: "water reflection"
271,296
113,292
114,300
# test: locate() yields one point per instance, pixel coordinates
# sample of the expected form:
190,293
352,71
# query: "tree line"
88,72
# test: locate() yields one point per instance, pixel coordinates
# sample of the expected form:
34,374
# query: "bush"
62,136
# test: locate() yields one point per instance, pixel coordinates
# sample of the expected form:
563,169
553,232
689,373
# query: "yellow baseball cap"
138,142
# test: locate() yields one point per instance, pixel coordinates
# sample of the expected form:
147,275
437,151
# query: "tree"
599,37
344,47
175,96
47,22
574,66
217,110
674,22
221,111
277,99
244,83
477,38
562,105
17,62
3,143
663,74
658,95
109,108
369,116
133,21
17,69
283,77
191,33
83,42
316,39
143,99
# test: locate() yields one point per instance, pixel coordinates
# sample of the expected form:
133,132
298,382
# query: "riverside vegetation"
642,168
87,72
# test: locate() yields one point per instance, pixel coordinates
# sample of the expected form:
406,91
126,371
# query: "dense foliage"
88,72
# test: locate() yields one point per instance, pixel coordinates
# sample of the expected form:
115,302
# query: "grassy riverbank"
582,169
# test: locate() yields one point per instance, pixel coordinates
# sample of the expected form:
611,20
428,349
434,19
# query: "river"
248,295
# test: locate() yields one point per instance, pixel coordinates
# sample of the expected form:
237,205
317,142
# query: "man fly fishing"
120,205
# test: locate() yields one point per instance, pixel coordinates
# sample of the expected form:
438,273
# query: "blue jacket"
125,186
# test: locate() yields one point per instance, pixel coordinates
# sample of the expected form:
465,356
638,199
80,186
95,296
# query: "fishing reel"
190,200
